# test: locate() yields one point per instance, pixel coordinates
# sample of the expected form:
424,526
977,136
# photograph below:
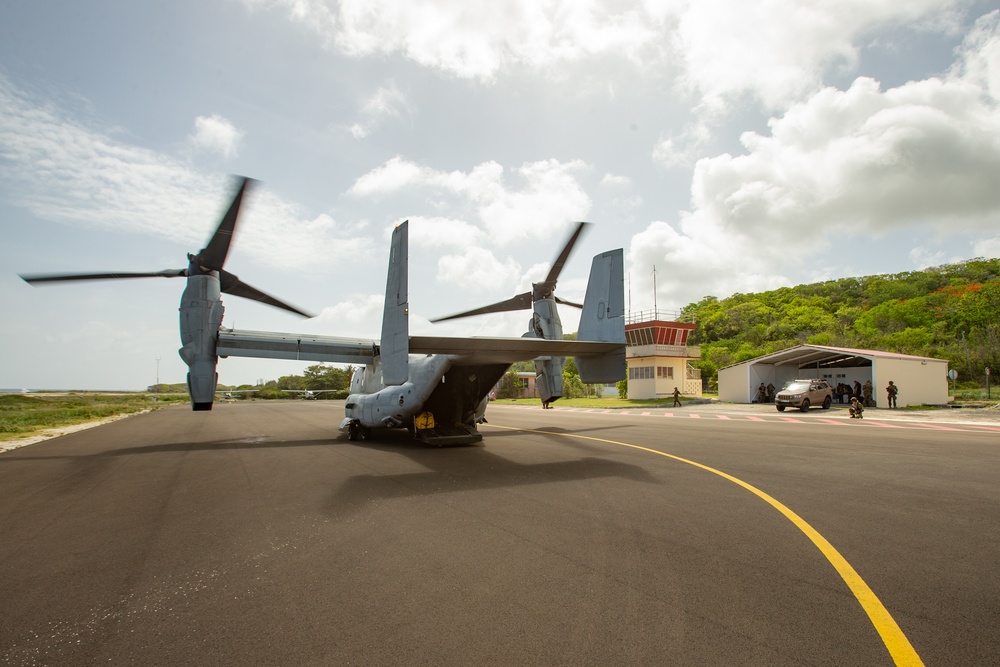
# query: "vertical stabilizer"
395,343
603,319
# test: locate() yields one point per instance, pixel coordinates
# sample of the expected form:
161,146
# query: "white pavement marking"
835,420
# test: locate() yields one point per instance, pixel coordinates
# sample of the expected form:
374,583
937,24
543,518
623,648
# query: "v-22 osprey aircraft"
435,387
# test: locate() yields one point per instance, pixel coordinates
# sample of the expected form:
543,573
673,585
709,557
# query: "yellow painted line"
895,641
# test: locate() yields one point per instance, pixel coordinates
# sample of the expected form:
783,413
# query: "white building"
921,380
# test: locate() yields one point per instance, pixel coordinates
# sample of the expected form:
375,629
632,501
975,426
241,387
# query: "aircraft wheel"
364,432
352,431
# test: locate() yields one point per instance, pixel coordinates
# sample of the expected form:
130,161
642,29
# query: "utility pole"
157,375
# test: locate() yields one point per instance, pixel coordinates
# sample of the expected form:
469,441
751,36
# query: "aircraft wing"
302,347
487,350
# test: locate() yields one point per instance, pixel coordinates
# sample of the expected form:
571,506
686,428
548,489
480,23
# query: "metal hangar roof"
824,356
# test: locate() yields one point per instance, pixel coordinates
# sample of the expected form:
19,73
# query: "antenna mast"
654,292
628,280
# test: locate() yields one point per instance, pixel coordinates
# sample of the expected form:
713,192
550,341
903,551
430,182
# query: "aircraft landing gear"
355,431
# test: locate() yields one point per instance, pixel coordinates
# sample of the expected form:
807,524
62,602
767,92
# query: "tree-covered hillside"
920,312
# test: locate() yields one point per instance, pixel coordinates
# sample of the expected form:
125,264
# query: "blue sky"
734,146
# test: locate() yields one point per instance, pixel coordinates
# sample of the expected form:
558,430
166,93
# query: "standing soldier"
868,390
891,391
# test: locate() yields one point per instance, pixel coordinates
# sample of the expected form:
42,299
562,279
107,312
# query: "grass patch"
22,415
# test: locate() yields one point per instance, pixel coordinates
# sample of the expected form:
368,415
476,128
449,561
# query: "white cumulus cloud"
66,171
776,51
475,267
551,195
861,161
217,135
480,40
387,102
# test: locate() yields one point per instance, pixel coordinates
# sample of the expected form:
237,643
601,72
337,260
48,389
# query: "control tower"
657,354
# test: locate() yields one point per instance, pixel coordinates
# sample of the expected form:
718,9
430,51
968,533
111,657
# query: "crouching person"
857,410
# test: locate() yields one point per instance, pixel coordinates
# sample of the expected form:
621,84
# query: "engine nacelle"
549,378
201,313
545,323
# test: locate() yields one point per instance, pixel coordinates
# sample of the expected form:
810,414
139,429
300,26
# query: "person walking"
891,391
677,397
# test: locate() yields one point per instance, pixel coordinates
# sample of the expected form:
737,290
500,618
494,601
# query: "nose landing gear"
355,431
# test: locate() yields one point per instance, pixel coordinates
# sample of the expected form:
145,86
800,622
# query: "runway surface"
257,534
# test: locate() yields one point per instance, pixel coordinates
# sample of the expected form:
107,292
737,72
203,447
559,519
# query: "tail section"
603,319
395,342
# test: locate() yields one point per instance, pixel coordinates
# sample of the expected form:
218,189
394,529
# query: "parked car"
802,394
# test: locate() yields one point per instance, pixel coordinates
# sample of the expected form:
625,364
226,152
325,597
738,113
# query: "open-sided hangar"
921,380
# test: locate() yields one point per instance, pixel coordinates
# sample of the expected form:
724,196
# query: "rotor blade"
568,303
213,255
230,284
34,278
557,266
519,302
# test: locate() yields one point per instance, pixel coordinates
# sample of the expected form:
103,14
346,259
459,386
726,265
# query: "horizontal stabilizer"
486,350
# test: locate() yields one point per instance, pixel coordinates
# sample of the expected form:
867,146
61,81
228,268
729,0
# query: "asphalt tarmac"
256,534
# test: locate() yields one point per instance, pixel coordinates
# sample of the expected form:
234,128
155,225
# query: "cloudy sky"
733,146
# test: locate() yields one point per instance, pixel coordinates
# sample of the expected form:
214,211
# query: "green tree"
510,385
291,382
913,312
572,386
270,391
324,377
